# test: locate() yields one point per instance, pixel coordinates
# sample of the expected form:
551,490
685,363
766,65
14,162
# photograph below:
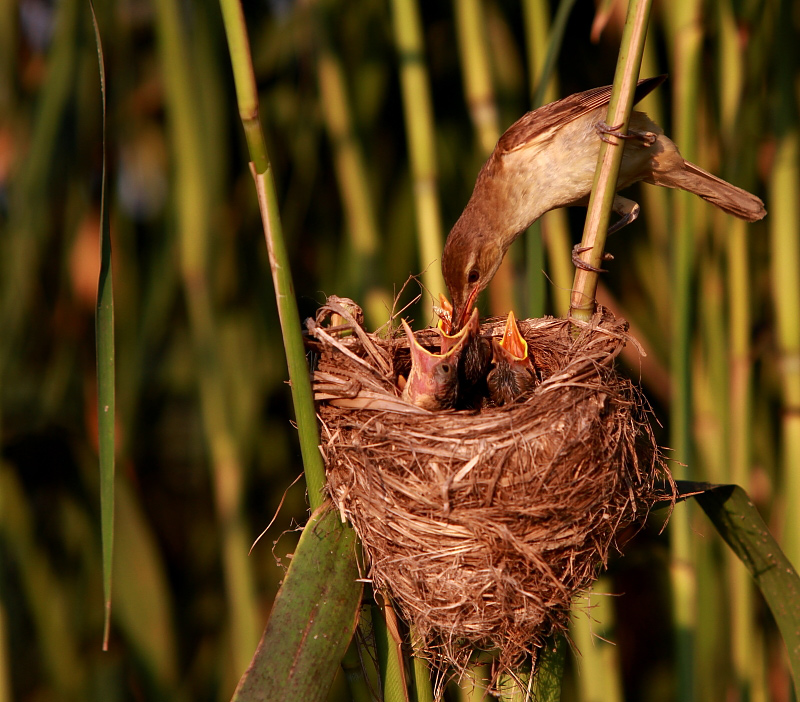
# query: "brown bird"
546,160
513,374
433,380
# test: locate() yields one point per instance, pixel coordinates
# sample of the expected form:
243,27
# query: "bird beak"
459,339
461,315
512,345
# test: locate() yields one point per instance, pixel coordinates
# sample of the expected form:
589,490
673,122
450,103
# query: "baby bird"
432,383
474,362
513,373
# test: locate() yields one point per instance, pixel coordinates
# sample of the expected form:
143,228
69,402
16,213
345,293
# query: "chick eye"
473,275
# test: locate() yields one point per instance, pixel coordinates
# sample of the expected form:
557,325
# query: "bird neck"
506,202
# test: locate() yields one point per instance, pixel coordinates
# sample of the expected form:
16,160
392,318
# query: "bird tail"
718,192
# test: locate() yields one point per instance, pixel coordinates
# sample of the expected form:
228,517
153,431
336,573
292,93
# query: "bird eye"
473,276
445,368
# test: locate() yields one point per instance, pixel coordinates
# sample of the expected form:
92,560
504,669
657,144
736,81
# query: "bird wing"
535,124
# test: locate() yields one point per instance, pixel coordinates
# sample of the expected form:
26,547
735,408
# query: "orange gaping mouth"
512,340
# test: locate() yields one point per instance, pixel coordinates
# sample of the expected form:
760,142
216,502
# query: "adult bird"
512,373
546,160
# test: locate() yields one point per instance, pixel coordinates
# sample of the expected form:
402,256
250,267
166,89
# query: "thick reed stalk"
193,217
351,171
472,686
656,214
552,230
420,672
744,650
516,688
420,135
390,655
476,75
619,109
685,36
784,224
550,671
592,630
476,72
302,397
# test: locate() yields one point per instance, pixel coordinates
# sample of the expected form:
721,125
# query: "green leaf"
104,332
738,522
312,620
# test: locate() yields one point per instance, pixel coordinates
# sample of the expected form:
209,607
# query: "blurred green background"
206,448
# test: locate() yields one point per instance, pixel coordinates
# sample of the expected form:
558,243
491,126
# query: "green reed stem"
421,672
553,48
302,396
744,648
477,72
550,671
604,188
686,37
245,81
552,230
592,629
472,685
390,655
784,225
420,137
357,683
473,51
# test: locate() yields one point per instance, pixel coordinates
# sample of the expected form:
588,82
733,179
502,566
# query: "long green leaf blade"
738,522
104,330
312,619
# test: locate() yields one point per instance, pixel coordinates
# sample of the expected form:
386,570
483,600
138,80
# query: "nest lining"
483,526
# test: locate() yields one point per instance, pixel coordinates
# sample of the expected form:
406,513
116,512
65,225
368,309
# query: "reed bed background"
377,116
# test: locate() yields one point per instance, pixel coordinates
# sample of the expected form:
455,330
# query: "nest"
483,526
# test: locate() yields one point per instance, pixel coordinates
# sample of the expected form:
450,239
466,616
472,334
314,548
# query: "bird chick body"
512,374
546,160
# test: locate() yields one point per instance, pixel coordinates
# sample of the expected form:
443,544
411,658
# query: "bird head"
433,380
469,261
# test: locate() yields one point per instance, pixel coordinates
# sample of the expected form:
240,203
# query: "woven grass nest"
483,525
